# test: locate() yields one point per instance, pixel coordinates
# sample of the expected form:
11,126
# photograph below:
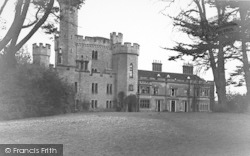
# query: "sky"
140,21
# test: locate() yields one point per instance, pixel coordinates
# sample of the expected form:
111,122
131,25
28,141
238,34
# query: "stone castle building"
101,68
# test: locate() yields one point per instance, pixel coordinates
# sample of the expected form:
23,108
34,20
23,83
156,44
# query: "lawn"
128,134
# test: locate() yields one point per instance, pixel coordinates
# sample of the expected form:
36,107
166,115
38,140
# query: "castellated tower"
41,54
116,38
125,64
65,42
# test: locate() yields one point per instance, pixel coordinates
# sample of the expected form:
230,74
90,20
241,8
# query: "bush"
236,103
131,103
31,90
82,106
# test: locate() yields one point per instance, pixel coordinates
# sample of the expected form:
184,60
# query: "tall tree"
12,40
244,24
211,45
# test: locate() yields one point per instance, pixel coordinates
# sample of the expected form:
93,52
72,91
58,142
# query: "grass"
122,134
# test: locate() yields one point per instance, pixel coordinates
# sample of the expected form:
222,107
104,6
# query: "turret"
127,48
65,42
41,54
116,38
125,64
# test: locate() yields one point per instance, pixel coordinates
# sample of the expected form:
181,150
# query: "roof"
177,76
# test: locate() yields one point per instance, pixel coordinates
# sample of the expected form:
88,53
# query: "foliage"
236,103
119,103
31,90
82,106
131,102
211,45
40,10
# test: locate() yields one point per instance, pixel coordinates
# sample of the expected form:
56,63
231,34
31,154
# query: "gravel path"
128,134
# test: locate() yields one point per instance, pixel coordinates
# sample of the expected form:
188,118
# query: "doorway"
172,106
185,106
158,102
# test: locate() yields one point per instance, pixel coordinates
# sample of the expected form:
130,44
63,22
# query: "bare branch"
3,6
37,25
31,24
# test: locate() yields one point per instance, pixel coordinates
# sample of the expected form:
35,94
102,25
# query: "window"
145,89
93,104
86,65
59,57
131,71
173,91
94,55
156,89
94,88
144,103
130,87
76,87
81,65
197,92
203,107
110,104
109,88
107,104
204,92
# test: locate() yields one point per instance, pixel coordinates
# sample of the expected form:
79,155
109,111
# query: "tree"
12,40
211,45
31,90
131,103
243,24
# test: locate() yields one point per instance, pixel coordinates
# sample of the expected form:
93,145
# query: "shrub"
236,103
131,103
31,90
82,106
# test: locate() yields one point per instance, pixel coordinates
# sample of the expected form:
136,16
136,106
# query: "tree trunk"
246,65
10,61
221,76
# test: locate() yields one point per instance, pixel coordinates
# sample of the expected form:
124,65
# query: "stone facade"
173,92
100,68
41,54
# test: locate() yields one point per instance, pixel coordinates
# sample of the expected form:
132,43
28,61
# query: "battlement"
116,38
127,47
41,49
93,40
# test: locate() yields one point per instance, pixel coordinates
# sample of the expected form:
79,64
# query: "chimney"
188,69
157,66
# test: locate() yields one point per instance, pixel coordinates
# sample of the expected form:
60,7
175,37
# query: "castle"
101,68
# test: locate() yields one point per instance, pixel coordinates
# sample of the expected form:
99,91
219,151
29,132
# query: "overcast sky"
140,21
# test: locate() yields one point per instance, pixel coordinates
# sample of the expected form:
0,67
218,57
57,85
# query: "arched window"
131,71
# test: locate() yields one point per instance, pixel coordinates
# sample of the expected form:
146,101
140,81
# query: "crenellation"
116,38
101,68
41,54
126,48
41,49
